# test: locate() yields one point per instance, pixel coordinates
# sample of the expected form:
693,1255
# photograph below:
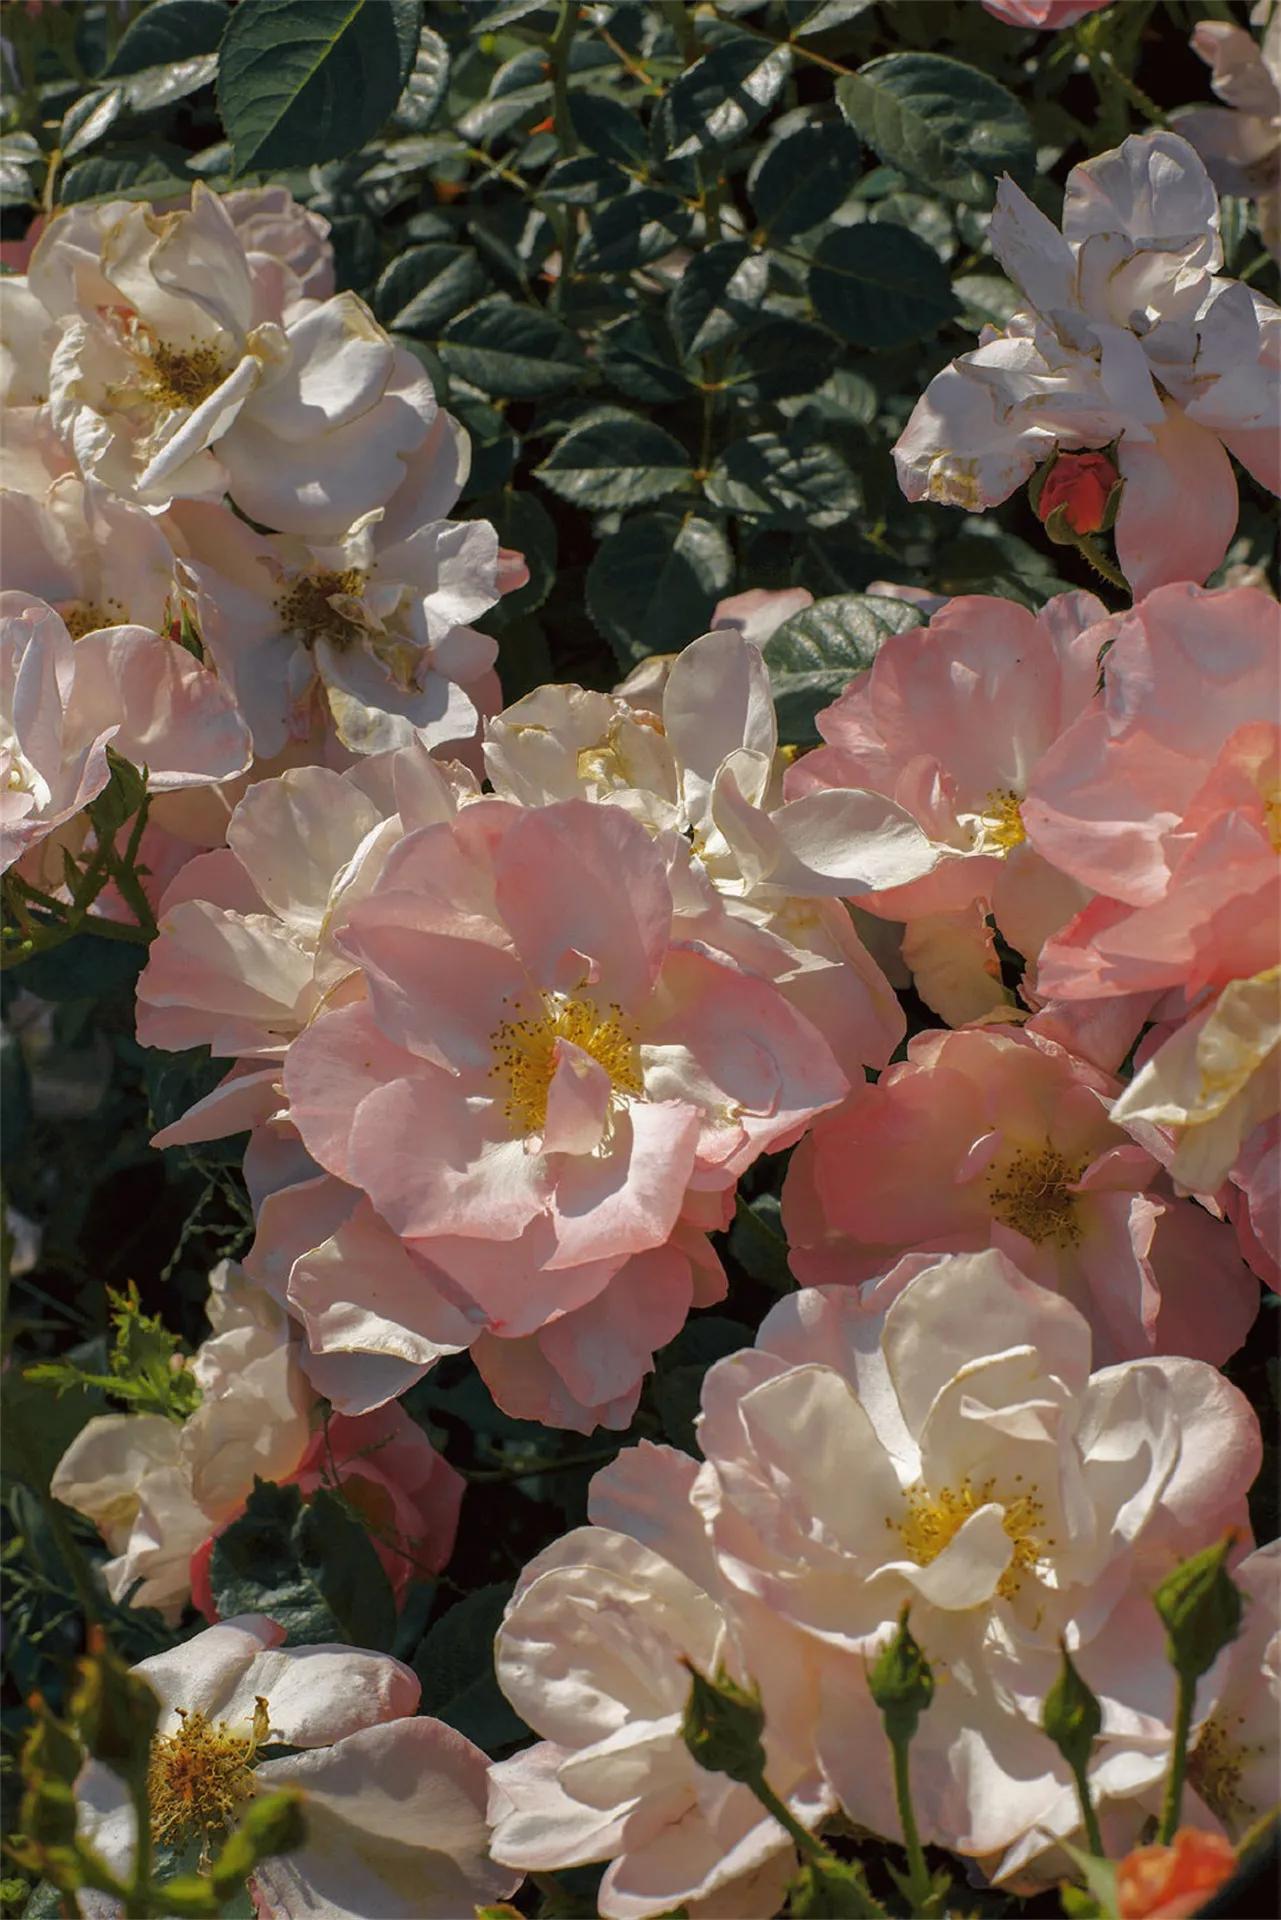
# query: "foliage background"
682,271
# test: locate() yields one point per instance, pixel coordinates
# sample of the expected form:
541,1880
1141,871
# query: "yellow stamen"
1215,1768
86,616
306,607
525,1055
183,378
933,1520
200,1775
1031,1193
1001,826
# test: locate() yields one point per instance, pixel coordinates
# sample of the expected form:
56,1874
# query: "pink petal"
1179,507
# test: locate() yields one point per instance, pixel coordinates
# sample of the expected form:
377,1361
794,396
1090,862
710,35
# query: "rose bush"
639,960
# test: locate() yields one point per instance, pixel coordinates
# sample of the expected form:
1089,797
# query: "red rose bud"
1082,484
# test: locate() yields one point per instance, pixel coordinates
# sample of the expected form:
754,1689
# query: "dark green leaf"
175,1081
804,178
455,1663
951,128
616,460
522,522
638,356
168,51
652,585
718,295
88,118
879,286
786,480
584,181
759,1244
717,99
520,92
311,1567
511,351
813,656
425,287
84,968
783,358
633,230
427,85
136,175
608,128
493,445
298,85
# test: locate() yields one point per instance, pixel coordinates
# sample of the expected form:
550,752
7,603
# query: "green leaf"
678,1378
782,358
522,521
311,1567
493,445
427,84
632,231
786,480
136,175
425,287
722,95
652,585
718,295
758,1242
638,356
88,118
514,352
455,1662
608,128
801,180
951,128
616,459
168,51
813,656
19,153
584,181
299,85
85,968
879,286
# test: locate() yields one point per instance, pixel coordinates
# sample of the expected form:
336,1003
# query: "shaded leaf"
879,286
616,460
455,1662
950,127
722,95
632,231
786,480
652,585
813,656
425,287
717,296
802,179
514,352
312,1567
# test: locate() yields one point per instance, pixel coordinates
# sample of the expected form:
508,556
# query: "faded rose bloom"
175,374
1240,141
274,229
993,1136
394,1802
591,1653
946,1441
1130,334
1050,15
62,703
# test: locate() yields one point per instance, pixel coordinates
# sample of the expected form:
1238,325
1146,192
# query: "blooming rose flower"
752,878
1049,14
567,1067
375,622
64,703
592,1654
950,723
994,1136
944,1442
176,373
161,1490
1234,1767
274,229
1164,1883
1163,796
1240,141
394,1803
99,561
1130,334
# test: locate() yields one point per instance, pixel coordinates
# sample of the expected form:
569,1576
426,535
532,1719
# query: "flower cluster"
514,1003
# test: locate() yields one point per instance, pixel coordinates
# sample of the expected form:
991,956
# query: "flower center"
80,617
1215,1768
306,607
1032,1194
1001,822
933,1520
179,377
525,1055
200,1775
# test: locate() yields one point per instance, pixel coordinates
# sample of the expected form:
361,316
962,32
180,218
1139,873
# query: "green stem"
1172,1803
558,52
1089,1818
807,1845
917,1871
1089,551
